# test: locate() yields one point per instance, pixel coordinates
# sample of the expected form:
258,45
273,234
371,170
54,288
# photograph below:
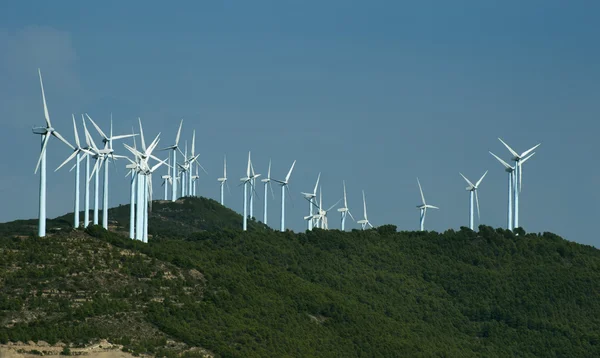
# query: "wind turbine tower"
365,221
311,198
45,132
345,211
267,182
472,189
284,187
518,159
223,180
77,155
174,148
423,208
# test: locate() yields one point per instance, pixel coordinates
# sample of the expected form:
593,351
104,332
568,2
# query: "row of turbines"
183,180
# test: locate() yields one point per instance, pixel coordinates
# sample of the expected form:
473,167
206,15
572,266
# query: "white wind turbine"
472,189
518,159
98,160
365,221
267,182
344,210
45,132
253,191
311,198
166,181
195,178
321,216
174,148
76,154
144,184
511,180
88,153
284,186
423,208
245,181
109,154
223,180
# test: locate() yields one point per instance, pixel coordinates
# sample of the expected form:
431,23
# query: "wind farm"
182,178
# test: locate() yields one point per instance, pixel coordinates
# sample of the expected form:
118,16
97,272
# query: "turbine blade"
481,179
317,184
345,200
272,192
287,177
75,132
477,201
349,213
67,160
44,145
225,166
465,178
97,128
525,159
509,148
334,205
269,171
178,133
421,190
520,177
123,136
530,150
46,114
506,165
364,205
57,135
248,169
193,141
289,195
142,135
94,170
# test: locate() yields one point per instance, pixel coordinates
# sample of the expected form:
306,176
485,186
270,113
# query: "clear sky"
375,93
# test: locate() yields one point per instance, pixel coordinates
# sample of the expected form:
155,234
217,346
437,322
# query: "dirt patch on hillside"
103,349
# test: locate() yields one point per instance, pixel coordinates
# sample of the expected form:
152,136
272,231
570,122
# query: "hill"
322,293
184,217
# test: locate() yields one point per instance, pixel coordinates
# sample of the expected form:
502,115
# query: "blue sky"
373,93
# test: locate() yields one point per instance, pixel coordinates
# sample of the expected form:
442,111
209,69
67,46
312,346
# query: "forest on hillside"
263,293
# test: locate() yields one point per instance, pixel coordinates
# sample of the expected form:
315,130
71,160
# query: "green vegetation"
262,293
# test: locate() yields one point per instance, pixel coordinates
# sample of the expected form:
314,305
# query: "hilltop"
216,290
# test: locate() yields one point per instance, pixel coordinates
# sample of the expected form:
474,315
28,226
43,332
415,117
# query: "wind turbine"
365,221
267,182
109,154
174,148
144,183
166,181
321,217
284,185
518,159
76,154
223,180
423,207
311,198
98,160
472,188
511,179
247,179
45,132
253,191
344,210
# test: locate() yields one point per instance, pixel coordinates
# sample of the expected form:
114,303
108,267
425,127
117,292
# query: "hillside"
323,293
